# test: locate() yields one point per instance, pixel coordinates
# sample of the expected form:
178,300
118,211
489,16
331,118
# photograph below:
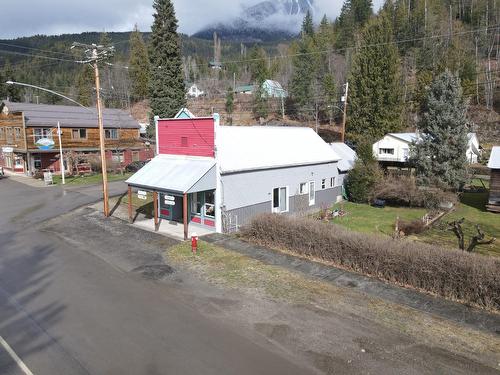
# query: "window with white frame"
303,188
2,133
196,204
323,183
386,151
41,133
10,135
280,199
209,206
111,133
117,156
332,181
17,133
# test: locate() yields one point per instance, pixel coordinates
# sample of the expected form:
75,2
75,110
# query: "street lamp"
103,153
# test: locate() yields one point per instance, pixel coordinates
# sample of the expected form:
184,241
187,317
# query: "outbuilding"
494,165
220,177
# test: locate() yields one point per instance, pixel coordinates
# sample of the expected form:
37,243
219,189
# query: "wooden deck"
493,208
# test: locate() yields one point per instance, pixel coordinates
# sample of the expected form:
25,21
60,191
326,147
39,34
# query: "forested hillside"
388,58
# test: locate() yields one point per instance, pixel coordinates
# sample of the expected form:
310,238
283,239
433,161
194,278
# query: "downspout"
218,181
156,118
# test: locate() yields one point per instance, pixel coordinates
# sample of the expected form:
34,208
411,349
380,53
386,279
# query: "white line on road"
15,357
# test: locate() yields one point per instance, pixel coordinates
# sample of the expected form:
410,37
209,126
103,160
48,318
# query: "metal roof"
410,137
177,174
244,148
494,162
71,116
348,156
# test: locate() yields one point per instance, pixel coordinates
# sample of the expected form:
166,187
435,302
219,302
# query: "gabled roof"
273,84
71,116
411,137
347,156
494,162
177,174
244,88
184,113
245,148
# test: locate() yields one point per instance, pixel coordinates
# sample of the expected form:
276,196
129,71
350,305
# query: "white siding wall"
251,188
389,142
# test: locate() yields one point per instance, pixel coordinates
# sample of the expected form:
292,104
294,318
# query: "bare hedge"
470,278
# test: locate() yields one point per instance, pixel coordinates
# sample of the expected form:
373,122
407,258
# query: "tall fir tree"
440,156
353,16
85,84
308,25
230,104
167,91
138,66
375,99
259,72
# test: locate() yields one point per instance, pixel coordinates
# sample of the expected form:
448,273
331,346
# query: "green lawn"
368,219
90,180
364,218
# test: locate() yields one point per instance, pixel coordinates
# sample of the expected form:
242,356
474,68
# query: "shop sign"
141,194
45,144
169,203
7,150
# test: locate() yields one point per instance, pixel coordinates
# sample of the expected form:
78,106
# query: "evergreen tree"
85,84
166,86
12,92
259,72
308,25
230,104
138,65
354,14
375,99
440,156
364,176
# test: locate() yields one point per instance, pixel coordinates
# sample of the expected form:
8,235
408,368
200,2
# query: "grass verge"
90,180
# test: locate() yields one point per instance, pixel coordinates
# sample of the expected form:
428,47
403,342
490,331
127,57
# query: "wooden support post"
130,218
185,215
155,208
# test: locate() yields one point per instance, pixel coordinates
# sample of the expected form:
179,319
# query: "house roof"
273,84
177,174
411,137
244,88
71,116
494,162
347,156
184,113
244,148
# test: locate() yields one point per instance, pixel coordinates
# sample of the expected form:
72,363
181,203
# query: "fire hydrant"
194,243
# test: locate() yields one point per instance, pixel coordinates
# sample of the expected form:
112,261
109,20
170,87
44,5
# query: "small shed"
273,89
494,165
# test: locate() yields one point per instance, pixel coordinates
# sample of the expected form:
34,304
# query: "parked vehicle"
1,173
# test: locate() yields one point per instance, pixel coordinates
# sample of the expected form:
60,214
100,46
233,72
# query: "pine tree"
440,156
166,86
353,16
85,84
12,92
308,25
230,104
138,65
259,73
375,99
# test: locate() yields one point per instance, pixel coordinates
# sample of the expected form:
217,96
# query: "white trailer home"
394,148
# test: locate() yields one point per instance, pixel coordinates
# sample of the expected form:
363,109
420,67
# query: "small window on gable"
332,181
386,151
323,183
184,141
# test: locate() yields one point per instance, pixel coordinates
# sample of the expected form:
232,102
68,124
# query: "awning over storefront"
177,174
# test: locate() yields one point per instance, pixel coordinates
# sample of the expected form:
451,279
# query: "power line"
35,49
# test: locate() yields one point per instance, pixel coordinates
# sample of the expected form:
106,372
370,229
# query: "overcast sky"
52,17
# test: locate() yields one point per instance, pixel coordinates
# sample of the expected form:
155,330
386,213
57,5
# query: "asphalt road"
67,310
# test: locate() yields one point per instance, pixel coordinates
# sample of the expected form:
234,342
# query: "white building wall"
401,149
255,187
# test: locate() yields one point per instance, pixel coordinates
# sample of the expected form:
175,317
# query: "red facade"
193,137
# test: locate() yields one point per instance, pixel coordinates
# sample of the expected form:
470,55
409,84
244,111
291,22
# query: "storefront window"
196,204
18,162
210,204
37,162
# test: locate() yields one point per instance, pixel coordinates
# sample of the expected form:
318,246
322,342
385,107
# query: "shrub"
453,274
411,227
403,191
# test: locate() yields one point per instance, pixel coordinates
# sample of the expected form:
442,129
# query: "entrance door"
312,193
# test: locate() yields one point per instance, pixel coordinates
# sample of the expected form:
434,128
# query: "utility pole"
344,118
94,54
61,158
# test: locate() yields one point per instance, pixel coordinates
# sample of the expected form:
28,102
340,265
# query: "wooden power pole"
344,117
95,54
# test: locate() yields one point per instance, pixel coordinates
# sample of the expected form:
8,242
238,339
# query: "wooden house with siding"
494,165
29,140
